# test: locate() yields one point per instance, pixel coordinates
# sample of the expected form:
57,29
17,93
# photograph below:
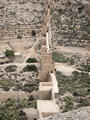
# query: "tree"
31,60
11,68
9,53
19,36
33,32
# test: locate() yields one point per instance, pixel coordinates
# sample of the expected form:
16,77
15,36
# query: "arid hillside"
62,28
71,23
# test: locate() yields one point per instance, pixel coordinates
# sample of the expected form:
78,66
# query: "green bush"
9,53
19,36
31,60
76,93
33,104
39,46
71,61
23,103
61,58
1,63
68,99
68,107
30,87
7,82
83,93
69,104
10,68
33,32
29,68
6,88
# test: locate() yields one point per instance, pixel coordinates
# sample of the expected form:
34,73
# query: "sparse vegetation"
39,46
84,67
12,109
30,87
73,83
7,82
61,58
8,113
73,31
26,103
77,84
83,102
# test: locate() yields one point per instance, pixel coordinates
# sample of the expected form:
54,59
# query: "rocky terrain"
17,20
71,23
81,114
21,22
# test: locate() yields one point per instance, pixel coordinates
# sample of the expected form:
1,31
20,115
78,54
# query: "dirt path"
65,69
73,50
30,52
62,67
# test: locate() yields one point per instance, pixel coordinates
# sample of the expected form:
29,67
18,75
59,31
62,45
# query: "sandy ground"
4,95
32,52
31,113
16,45
65,69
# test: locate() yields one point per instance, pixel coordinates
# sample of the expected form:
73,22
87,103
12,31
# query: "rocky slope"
71,22
81,114
19,17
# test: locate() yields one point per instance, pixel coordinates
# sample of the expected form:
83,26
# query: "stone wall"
80,114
